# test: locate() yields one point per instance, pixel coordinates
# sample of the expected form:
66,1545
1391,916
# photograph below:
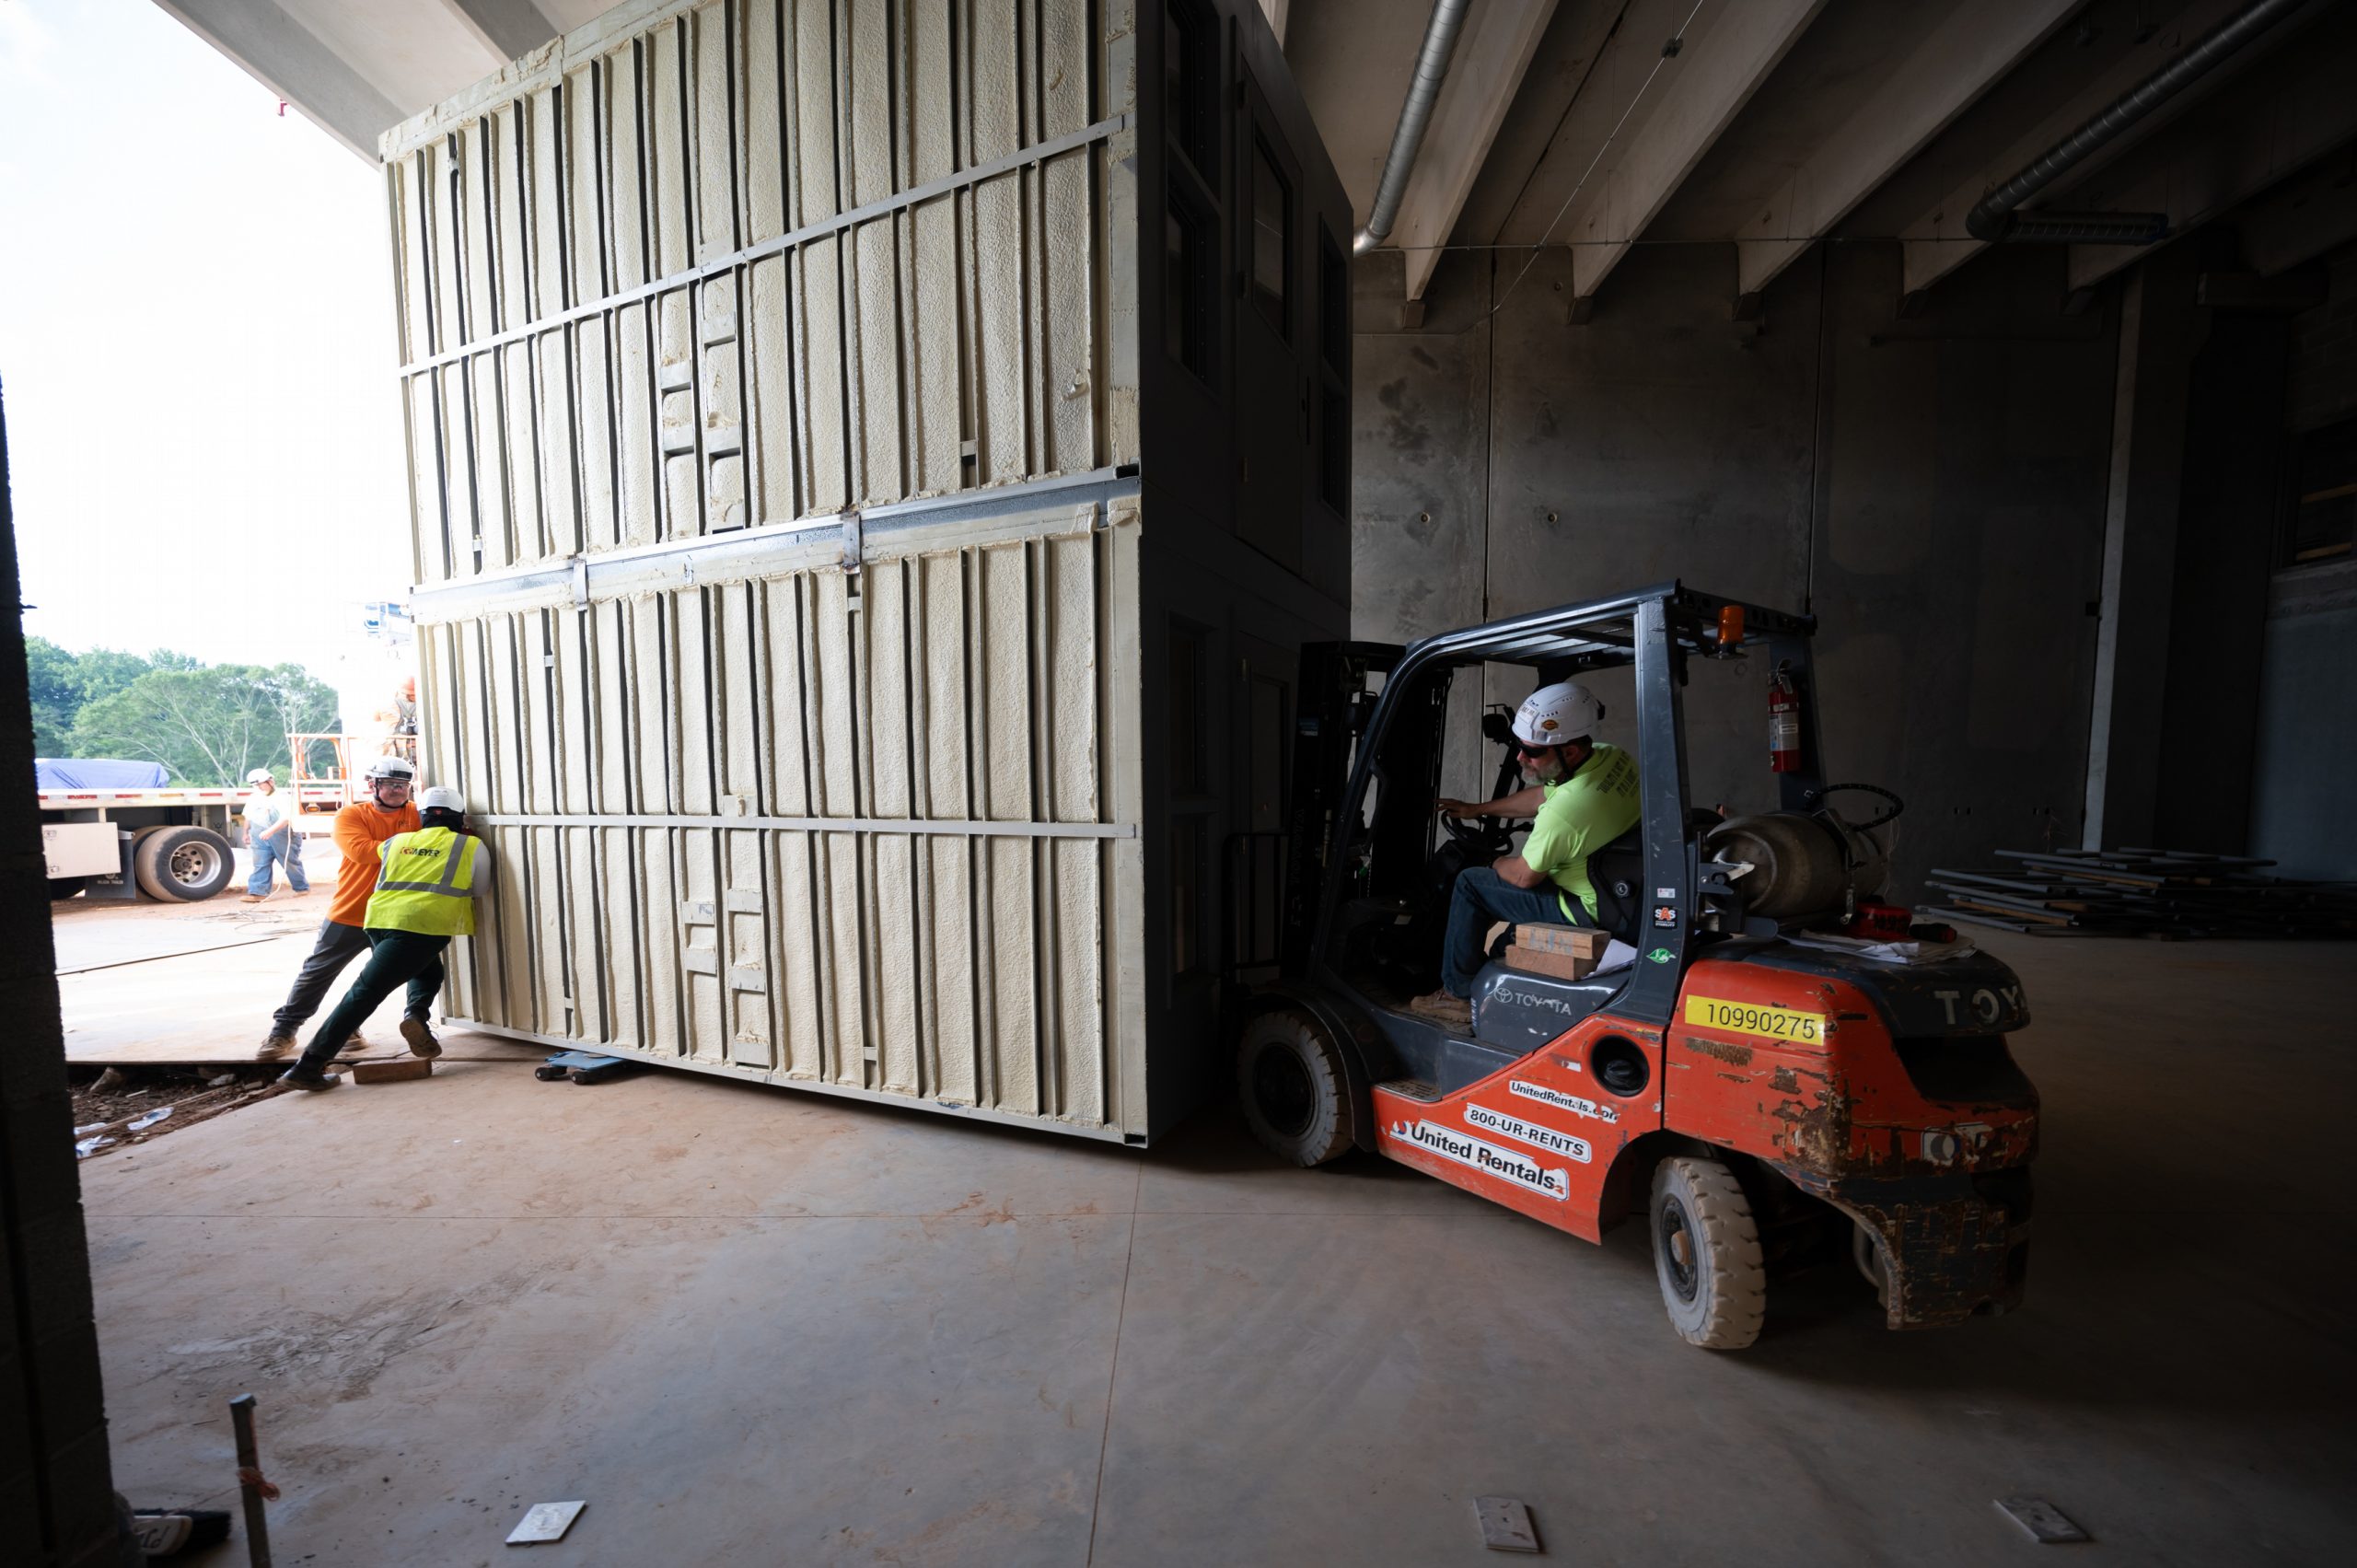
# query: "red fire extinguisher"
1783,722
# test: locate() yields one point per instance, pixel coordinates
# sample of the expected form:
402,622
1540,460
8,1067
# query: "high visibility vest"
425,885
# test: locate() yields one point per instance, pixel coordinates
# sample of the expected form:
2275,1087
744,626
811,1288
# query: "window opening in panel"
1189,274
1271,241
1190,83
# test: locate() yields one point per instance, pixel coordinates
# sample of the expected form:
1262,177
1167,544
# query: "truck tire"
1295,1092
1707,1255
183,864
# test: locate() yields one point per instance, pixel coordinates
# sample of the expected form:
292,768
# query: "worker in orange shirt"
359,829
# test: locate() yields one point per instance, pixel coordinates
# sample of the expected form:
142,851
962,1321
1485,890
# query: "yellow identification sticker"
1750,1018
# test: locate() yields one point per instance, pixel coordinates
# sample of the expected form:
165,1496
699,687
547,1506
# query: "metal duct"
1995,219
1415,114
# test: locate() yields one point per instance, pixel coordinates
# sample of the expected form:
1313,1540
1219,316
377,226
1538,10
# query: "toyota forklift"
1760,1094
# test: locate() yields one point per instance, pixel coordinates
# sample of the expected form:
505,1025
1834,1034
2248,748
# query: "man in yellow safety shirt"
425,894
1585,797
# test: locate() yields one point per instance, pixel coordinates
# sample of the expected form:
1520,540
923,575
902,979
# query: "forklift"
1751,1079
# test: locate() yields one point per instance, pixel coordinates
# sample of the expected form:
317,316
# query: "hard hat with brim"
1557,714
260,775
441,797
400,768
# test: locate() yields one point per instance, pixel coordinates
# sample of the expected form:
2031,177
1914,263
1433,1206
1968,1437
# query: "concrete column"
2140,548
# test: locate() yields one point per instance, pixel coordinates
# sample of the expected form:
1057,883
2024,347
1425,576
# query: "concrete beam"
2307,113
2311,215
280,53
1972,48
1276,10
1713,76
1936,243
1492,56
513,29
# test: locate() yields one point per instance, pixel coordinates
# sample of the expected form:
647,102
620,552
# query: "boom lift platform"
1739,1088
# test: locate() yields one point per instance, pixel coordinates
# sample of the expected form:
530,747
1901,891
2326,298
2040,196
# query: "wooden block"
1574,940
1561,966
392,1071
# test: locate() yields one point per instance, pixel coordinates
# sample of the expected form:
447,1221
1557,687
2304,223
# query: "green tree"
210,724
55,679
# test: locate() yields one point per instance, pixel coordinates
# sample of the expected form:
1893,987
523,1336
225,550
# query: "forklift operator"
1585,797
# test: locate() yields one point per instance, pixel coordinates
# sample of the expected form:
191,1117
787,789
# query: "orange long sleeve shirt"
359,829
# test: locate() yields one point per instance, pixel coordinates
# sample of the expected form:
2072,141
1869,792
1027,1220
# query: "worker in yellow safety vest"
427,887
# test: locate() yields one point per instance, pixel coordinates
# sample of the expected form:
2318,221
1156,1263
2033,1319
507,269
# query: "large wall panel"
770,541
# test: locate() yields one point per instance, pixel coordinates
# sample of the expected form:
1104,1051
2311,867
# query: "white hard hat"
441,797
391,768
1557,714
259,775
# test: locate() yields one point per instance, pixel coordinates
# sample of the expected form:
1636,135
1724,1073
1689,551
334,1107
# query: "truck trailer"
873,471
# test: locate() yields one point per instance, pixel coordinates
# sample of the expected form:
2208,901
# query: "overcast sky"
196,345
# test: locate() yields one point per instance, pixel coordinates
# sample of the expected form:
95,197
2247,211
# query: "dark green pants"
395,958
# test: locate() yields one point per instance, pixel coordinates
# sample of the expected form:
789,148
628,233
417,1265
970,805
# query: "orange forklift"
1753,1082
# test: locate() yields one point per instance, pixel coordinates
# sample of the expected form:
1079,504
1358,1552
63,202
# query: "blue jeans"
1482,899
282,848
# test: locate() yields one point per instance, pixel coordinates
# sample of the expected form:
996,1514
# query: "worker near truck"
271,835
360,828
427,885
1585,796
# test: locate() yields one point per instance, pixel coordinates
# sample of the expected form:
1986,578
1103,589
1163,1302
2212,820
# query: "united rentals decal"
1522,1131
1487,1158
1562,1101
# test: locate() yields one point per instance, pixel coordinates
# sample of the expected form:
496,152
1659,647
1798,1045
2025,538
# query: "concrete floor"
753,1326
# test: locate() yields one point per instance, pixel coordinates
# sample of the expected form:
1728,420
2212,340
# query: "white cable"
1678,38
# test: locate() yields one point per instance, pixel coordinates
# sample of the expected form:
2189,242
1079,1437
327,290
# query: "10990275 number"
1754,1018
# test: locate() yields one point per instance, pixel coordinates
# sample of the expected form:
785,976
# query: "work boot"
253,898
303,1076
355,1043
421,1038
1441,1007
275,1044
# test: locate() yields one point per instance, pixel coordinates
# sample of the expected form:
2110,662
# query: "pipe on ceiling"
1415,115
1995,219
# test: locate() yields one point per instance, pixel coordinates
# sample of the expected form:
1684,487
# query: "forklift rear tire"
1295,1092
1707,1255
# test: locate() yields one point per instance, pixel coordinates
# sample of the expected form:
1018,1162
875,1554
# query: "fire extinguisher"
1783,722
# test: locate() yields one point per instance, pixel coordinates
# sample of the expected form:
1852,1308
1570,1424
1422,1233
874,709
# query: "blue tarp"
98,773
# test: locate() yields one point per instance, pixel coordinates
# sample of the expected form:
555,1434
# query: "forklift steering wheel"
1485,835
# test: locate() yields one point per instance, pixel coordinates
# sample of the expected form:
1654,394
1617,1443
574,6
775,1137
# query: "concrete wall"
2307,742
2306,748
2324,352
1932,488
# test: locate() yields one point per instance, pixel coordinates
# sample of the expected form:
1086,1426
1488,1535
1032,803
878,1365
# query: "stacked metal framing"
770,368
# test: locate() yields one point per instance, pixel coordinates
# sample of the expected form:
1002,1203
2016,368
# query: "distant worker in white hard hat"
359,829
271,837
428,883
1584,797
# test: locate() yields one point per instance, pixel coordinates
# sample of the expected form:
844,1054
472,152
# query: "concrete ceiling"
1775,123
1770,125
359,67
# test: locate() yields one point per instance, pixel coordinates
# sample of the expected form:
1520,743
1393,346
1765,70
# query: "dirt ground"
102,1109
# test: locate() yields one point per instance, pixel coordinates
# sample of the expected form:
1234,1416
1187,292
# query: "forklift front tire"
1707,1254
1295,1092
